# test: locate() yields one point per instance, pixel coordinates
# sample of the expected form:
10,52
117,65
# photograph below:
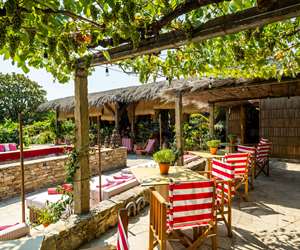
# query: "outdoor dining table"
208,156
151,177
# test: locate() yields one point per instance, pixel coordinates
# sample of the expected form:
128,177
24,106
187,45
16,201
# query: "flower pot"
45,224
164,168
213,151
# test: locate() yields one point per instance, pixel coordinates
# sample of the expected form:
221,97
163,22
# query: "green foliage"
9,132
232,137
72,165
164,156
18,94
196,132
213,143
54,34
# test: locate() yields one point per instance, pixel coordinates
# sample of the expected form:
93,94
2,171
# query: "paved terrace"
270,220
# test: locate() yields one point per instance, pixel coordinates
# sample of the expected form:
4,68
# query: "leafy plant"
213,143
72,165
45,216
164,156
232,137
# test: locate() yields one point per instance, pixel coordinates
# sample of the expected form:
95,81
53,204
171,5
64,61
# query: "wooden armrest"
159,197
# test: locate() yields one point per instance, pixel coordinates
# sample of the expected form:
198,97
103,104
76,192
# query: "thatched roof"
127,95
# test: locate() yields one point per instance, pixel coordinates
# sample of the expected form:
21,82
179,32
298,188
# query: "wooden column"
57,126
178,126
243,123
160,130
99,155
132,120
82,175
211,107
117,116
22,167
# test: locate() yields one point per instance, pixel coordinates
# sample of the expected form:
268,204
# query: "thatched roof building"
146,99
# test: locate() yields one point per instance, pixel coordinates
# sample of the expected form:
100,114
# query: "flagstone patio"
270,220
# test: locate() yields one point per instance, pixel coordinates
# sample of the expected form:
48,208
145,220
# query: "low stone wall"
77,230
50,171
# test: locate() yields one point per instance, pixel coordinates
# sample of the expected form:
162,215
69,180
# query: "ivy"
72,165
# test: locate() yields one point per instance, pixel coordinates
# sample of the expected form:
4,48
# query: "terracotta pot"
45,224
164,168
213,151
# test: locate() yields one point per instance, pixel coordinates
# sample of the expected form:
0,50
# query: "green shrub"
164,156
213,143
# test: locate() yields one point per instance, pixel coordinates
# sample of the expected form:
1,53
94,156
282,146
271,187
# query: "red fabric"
2,148
190,204
7,226
29,153
12,146
53,191
122,239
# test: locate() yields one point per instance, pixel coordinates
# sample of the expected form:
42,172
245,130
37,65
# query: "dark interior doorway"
252,123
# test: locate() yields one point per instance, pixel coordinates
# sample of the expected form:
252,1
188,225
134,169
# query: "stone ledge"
79,229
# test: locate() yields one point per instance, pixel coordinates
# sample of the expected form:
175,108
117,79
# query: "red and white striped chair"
263,151
241,162
191,206
224,172
252,158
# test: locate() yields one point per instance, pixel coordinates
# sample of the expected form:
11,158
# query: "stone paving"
270,220
10,210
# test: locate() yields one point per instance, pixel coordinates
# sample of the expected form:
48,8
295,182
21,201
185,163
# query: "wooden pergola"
266,12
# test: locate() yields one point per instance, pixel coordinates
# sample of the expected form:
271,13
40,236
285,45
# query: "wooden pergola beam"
224,25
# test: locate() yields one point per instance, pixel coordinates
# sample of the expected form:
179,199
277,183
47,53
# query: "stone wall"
77,230
50,171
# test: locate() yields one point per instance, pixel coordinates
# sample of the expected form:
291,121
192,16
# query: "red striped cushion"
246,149
263,140
191,204
240,161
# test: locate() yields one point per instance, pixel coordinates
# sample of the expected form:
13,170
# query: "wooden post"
227,123
99,155
82,175
242,123
211,119
57,126
178,126
22,167
117,116
132,120
160,130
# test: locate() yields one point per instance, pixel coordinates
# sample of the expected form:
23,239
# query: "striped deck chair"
127,143
191,206
263,151
252,161
224,172
149,149
241,162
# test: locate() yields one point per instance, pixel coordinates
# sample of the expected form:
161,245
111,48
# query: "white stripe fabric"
240,161
192,202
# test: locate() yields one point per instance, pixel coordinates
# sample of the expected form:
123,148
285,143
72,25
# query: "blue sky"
98,81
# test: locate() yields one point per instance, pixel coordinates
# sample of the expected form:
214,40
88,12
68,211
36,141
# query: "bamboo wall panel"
280,122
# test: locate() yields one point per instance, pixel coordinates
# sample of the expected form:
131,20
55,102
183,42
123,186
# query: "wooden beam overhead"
221,26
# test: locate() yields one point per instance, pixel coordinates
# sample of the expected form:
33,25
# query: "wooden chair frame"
158,234
223,208
262,167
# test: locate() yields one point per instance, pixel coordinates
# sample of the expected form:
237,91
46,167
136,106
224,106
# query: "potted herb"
45,217
213,146
164,158
232,138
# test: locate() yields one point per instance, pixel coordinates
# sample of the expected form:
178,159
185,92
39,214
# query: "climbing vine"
54,34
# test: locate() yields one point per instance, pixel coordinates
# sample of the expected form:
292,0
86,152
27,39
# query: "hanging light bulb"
106,71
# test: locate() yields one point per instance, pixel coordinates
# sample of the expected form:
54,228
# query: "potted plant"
213,146
164,158
232,138
45,217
